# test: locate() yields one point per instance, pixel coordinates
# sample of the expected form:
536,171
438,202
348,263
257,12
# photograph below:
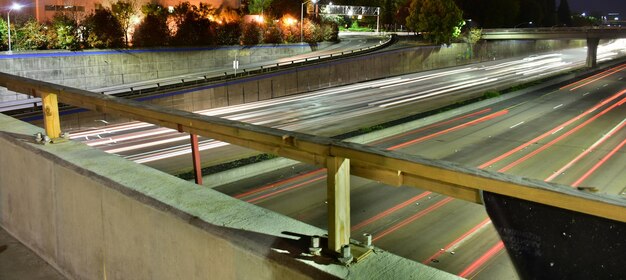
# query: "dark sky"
604,6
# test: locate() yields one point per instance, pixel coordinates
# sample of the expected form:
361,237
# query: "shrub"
103,30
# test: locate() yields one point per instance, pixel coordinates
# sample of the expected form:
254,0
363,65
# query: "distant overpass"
593,35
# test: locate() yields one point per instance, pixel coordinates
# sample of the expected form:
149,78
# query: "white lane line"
586,93
558,130
517,125
558,106
605,85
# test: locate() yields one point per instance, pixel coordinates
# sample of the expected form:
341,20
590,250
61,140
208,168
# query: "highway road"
574,135
332,111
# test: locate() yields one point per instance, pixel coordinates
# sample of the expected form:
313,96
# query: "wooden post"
195,153
338,193
51,120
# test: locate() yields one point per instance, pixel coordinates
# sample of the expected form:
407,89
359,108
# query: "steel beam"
195,154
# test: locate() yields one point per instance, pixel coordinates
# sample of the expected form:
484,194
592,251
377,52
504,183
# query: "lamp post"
15,6
302,18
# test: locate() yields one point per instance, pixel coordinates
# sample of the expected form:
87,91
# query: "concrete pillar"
592,52
338,193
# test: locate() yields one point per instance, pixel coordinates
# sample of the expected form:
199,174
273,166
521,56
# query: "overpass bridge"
593,35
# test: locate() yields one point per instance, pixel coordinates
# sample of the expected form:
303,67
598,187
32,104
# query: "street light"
529,23
302,18
15,6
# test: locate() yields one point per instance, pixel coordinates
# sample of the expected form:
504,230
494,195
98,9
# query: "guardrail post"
195,153
51,120
338,194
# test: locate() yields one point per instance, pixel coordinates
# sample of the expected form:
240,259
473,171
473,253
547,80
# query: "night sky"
603,6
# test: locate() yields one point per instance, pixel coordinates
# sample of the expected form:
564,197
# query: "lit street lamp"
302,17
15,6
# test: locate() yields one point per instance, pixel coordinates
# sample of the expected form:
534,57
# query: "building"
44,10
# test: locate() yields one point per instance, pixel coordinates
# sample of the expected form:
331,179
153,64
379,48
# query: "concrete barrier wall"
97,216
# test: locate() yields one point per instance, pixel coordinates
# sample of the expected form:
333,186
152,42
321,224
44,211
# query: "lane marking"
517,124
558,106
457,242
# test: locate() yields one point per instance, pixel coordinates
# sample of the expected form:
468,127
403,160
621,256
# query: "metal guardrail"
147,89
341,159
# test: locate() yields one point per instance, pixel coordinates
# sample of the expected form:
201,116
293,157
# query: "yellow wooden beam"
51,120
338,193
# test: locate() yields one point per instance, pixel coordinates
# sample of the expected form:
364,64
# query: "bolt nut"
38,137
346,254
315,248
368,240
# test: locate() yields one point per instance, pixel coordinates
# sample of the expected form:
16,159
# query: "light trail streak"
482,260
390,211
413,218
561,137
433,135
430,126
548,133
460,240
597,77
598,164
270,186
587,151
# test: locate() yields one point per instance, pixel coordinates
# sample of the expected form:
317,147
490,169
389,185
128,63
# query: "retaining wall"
95,69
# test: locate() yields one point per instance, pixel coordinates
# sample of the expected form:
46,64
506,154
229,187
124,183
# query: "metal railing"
341,159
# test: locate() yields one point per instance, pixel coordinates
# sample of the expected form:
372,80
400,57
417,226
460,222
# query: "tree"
439,20
228,33
192,28
251,34
153,30
32,36
272,34
3,32
564,13
103,30
124,12
64,32
257,7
